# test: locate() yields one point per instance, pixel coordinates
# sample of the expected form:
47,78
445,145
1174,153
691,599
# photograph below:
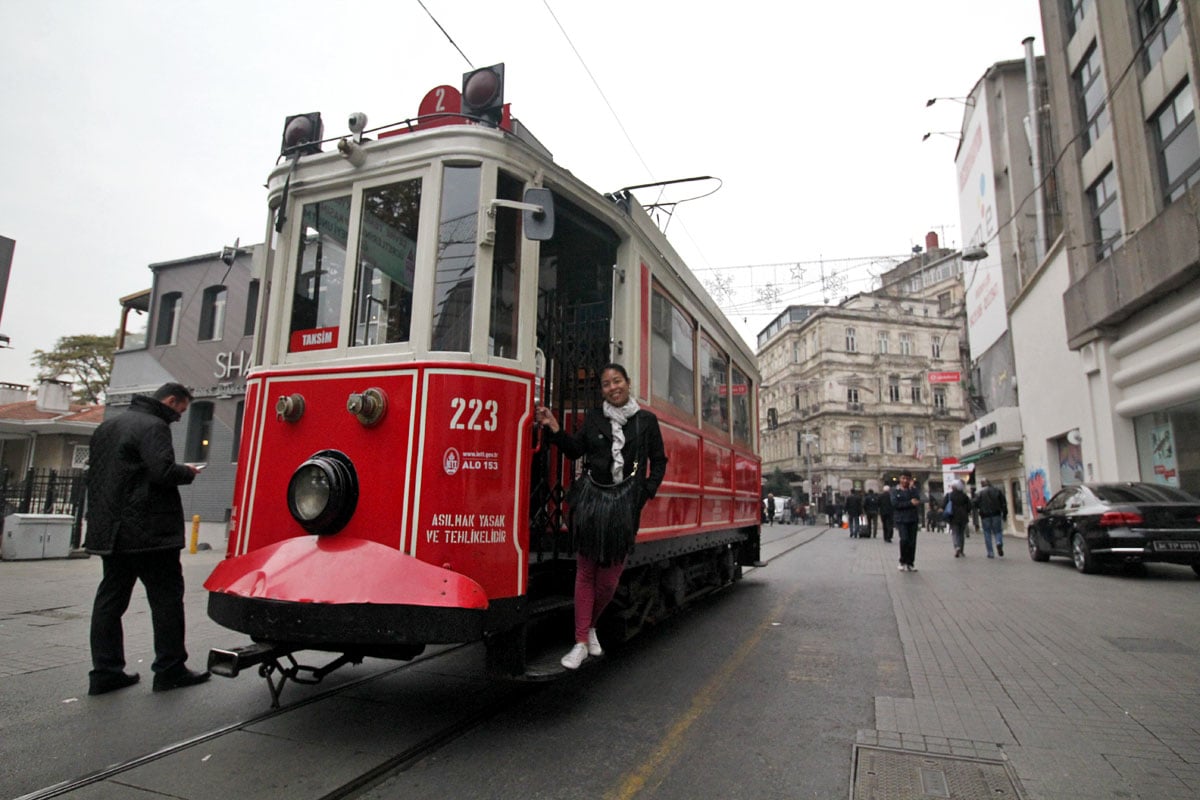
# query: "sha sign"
945,377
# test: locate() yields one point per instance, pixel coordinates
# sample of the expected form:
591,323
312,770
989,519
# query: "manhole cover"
883,774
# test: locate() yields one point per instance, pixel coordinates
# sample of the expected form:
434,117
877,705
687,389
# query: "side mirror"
538,224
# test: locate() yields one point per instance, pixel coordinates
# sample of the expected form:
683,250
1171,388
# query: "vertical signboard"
986,316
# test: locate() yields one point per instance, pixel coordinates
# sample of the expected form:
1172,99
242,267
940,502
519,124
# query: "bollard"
195,533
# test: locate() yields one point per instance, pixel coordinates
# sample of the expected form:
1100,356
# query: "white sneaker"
903,567
576,656
593,644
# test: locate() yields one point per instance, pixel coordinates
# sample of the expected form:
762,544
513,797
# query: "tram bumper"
343,593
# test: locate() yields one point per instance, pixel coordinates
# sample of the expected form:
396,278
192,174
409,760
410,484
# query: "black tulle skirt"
604,517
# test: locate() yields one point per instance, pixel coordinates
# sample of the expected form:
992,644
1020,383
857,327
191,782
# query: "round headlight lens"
311,492
323,492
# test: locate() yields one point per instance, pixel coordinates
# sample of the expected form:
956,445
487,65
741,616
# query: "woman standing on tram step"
622,448
960,515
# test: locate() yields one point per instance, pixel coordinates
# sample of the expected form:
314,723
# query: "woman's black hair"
616,367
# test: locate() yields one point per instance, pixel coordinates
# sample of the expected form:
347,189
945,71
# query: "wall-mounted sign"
945,377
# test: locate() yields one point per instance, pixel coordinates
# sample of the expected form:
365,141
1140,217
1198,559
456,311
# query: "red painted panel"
683,455
250,430
718,466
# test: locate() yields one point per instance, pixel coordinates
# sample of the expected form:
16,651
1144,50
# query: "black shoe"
177,679
1000,550
105,682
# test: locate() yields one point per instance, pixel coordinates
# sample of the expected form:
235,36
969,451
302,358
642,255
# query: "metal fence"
45,491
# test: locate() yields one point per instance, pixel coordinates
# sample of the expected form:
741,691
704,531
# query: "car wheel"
1081,554
1035,552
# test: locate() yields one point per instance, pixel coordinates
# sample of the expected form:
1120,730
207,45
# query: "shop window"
1178,143
170,306
1018,499
1090,91
212,313
251,308
199,432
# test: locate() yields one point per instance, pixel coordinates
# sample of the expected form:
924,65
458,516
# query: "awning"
982,454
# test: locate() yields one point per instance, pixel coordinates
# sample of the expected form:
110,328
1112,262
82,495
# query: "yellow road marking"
669,750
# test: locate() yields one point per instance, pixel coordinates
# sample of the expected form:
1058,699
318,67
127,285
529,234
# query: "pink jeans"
594,588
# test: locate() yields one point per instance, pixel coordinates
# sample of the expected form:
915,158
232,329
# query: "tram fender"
343,570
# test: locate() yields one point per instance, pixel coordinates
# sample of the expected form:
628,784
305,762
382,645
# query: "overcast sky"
134,132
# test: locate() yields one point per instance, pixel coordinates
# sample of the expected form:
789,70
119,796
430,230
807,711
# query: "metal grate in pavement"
885,774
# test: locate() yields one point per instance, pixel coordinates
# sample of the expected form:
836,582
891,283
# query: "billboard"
987,318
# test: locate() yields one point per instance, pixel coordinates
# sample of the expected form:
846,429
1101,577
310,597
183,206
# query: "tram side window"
672,356
387,260
741,407
714,386
454,277
320,273
506,271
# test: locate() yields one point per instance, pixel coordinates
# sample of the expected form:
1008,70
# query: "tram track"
390,765
397,762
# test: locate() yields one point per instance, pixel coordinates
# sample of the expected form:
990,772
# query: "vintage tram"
421,292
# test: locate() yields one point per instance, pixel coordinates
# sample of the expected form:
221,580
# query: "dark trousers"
908,542
887,527
872,523
162,575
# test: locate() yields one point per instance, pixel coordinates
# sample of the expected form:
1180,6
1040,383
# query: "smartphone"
198,467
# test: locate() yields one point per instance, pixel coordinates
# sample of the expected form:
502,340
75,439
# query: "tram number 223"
474,414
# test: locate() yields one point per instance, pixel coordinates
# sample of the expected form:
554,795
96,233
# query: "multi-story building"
856,392
1007,212
1123,92
194,326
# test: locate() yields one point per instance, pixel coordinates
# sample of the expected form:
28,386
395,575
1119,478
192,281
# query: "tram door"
574,322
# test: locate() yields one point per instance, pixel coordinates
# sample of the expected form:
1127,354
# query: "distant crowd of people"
901,510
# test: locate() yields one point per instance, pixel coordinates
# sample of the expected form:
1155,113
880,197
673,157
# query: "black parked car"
1118,523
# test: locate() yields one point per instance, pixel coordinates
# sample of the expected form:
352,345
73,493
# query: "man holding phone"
135,524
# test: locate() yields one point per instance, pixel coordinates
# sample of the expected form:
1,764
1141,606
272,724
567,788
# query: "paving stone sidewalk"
1088,685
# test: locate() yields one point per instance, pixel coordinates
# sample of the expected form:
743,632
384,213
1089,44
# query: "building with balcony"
1124,395
856,392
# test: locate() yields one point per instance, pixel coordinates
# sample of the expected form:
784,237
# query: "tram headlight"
323,492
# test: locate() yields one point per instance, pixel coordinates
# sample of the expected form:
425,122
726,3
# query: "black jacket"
902,505
133,480
992,503
961,511
593,441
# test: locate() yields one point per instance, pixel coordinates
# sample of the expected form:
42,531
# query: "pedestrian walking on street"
135,525
957,512
770,508
622,447
993,513
871,509
906,504
854,509
886,514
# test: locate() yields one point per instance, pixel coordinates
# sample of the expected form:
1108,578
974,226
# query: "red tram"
420,293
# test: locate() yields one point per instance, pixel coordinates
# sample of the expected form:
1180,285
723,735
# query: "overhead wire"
446,34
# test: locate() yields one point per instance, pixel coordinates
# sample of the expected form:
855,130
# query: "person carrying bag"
624,464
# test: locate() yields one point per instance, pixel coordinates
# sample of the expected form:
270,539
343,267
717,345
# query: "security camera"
357,122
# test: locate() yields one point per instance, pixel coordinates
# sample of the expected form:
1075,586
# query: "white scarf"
618,416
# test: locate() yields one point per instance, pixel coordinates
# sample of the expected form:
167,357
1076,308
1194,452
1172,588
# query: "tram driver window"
454,277
320,273
387,248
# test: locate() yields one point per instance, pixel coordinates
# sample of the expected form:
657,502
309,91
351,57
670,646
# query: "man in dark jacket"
993,511
135,524
871,509
906,505
885,513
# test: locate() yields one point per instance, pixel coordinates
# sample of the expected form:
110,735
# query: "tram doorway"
574,332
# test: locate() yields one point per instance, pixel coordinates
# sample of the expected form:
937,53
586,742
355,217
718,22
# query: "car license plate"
1177,546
